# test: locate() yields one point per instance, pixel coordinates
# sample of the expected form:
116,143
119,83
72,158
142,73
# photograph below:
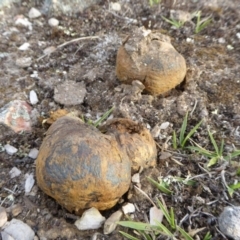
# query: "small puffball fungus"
148,56
136,140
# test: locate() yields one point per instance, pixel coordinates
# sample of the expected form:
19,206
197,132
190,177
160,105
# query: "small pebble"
128,208
10,149
164,125
34,13
155,215
49,50
136,178
53,22
29,182
33,153
91,219
115,6
238,35
18,230
14,172
33,97
24,47
22,21
15,209
24,62
111,223
3,216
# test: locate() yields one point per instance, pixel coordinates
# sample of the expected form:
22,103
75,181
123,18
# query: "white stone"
34,13
29,182
33,153
91,219
238,35
53,22
24,62
3,216
111,223
22,21
24,47
18,230
128,208
164,125
14,172
10,149
155,215
33,97
221,40
229,221
136,178
190,40
115,6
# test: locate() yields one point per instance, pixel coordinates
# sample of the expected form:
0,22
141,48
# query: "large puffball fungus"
148,56
80,167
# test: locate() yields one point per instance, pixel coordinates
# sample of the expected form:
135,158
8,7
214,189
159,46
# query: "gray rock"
111,223
24,62
229,221
33,153
18,230
70,93
10,149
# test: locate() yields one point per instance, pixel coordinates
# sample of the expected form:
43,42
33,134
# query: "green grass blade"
208,236
203,24
165,212
214,143
202,151
221,148
234,154
136,225
164,230
183,130
160,186
104,116
191,133
145,235
185,234
235,186
173,223
128,236
174,140
212,161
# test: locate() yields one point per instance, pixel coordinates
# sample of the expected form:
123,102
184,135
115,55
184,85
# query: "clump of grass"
100,120
151,232
201,23
215,155
183,137
174,22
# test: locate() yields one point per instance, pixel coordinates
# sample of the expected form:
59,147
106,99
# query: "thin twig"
67,43
150,200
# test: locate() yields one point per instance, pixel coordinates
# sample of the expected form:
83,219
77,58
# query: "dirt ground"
210,92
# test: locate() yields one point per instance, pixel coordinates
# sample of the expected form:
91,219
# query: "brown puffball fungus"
135,139
81,167
148,56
